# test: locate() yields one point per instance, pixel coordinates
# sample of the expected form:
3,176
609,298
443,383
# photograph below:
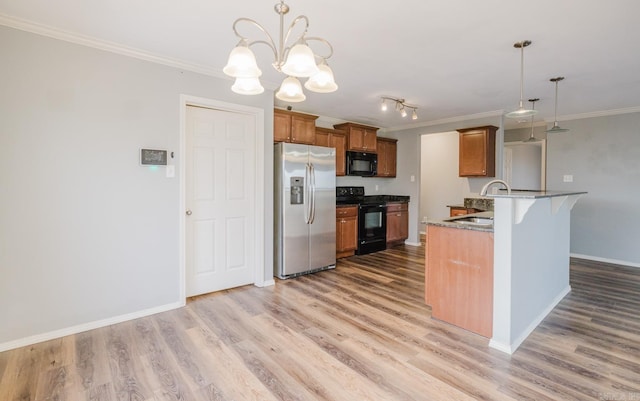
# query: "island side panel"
460,278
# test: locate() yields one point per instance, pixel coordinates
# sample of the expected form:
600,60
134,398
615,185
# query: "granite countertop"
450,222
533,194
346,204
387,198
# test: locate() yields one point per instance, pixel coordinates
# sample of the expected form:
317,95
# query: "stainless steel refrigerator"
305,209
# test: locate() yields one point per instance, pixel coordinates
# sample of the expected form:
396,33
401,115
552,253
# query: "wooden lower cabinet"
346,231
459,277
397,223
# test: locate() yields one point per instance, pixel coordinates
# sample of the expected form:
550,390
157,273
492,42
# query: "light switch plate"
567,178
171,171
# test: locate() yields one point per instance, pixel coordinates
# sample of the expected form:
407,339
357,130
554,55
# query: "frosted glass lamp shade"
322,82
291,91
247,86
242,63
521,112
300,62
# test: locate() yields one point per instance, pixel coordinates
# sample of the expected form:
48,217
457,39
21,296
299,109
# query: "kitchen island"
530,261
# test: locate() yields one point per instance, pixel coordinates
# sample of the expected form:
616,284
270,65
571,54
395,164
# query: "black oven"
372,228
362,164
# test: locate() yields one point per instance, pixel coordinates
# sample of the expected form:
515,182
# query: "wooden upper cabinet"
289,126
334,139
387,149
477,156
360,138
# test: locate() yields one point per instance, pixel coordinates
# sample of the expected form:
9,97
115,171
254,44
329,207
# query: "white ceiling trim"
494,113
603,113
44,30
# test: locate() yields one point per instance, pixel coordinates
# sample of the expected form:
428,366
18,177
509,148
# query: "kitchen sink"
480,221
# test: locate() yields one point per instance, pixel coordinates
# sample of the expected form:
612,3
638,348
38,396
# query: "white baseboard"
413,243
38,338
266,283
605,260
511,348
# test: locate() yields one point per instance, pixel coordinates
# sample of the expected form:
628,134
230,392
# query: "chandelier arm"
270,43
324,41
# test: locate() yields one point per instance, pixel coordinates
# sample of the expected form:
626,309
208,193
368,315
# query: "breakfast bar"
514,261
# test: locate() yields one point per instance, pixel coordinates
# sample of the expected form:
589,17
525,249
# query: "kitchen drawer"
349,211
397,207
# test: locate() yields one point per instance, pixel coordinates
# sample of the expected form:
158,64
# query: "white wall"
603,156
86,234
440,183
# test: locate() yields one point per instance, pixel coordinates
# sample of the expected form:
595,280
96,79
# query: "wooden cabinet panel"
387,149
477,153
460,278
346,231
360,138
289,126
334,139
461,211
397,223
281,127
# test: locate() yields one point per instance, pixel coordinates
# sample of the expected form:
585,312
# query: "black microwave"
362,164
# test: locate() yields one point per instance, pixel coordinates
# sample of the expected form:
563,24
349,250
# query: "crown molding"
592,114
72,37
494,113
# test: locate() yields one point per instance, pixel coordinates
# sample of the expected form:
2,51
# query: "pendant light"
556,127
521,112
533,107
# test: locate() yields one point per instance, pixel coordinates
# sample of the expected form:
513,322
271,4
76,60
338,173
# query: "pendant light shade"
300,62
556,126
242,63
533,107
322,82
521,111
247,86
291,91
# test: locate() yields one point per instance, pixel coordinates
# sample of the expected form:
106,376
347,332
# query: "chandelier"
400,106
521,112
296,60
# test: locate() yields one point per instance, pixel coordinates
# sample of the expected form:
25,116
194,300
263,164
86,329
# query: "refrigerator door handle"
307,195
313,194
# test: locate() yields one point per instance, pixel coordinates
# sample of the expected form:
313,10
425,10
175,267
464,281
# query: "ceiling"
450,58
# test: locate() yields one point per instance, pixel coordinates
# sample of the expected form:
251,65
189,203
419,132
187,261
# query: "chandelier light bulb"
242,63
403,112
414,115
291,91
383,106
323,81
300,62
247,86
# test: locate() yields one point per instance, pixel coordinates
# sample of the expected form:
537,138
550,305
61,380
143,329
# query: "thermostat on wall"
153,157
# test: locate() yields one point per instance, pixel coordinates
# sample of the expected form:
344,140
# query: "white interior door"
220,195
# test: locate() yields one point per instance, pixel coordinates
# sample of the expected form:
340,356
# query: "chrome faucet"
483,191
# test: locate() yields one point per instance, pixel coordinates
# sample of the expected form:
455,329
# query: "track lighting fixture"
401,107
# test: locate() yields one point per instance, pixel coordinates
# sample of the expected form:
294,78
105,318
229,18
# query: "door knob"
189,212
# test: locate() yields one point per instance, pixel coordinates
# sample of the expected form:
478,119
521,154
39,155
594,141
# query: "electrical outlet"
376,187
413,178
567,178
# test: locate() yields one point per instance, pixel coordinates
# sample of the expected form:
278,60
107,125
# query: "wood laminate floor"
359,332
